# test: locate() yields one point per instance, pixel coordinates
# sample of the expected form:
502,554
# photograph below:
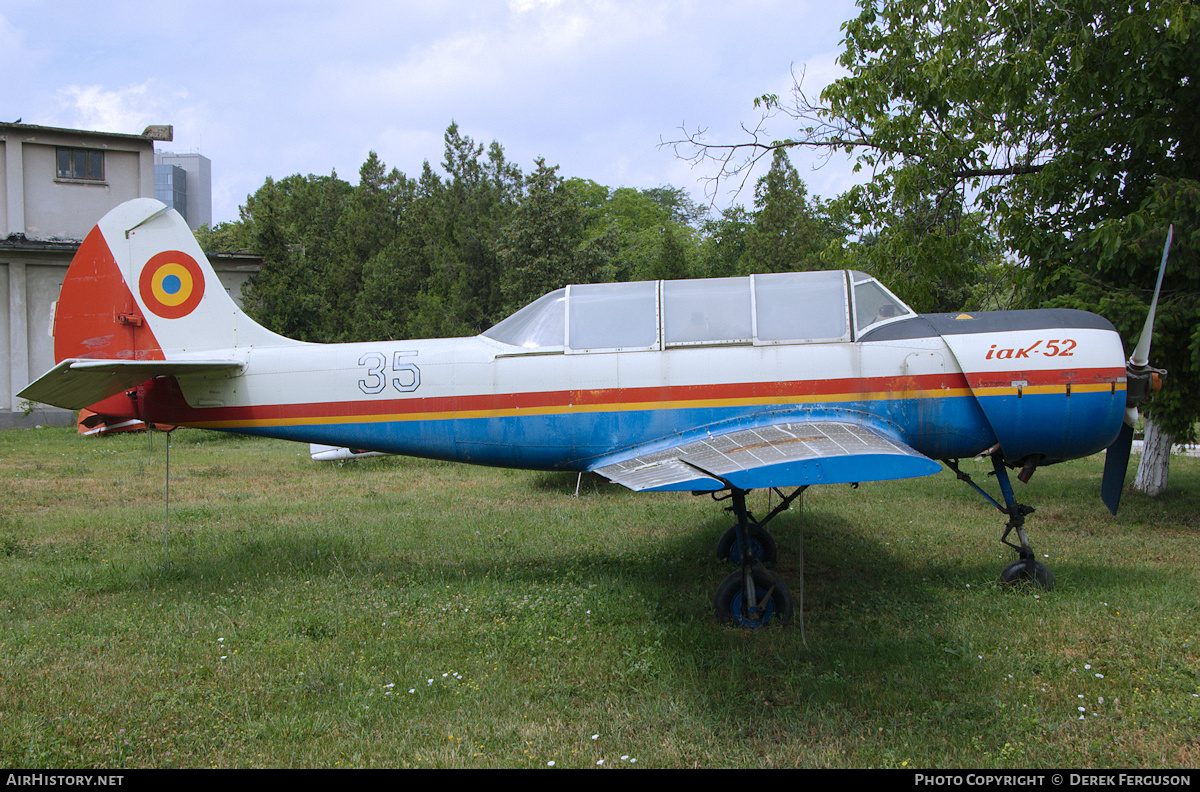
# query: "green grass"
406,613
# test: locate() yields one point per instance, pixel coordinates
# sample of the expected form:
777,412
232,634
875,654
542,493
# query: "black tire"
728,600
1017,573
763,547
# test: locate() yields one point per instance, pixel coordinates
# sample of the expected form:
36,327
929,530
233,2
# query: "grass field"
405,613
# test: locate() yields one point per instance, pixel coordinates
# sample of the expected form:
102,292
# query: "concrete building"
59,182
170,187
55,184
184,182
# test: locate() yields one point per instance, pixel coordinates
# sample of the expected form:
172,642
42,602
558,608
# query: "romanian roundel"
171,284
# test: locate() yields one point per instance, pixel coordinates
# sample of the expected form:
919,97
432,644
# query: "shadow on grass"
589,485
878,634
889,637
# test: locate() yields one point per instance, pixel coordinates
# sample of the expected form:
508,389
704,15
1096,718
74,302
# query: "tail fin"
140,300
140,288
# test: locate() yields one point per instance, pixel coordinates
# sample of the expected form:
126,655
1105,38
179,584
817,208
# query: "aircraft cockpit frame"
758,310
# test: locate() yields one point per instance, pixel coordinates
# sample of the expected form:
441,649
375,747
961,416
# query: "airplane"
721,385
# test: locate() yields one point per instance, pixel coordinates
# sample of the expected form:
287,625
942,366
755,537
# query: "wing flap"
779,455
76,383
660,472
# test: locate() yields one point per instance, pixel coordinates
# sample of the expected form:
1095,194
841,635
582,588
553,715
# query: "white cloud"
525,6
128,110
540,54
18,61
10,39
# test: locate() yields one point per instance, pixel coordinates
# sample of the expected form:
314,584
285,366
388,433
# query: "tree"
381,234
431,266
787,233
292,224
545,245
1132,242
367,225
724,243
1066,130
673,260
680,207
942,257
650,231
476,201
228,237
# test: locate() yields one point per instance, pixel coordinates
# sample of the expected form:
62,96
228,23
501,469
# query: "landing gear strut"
1025,569
752,596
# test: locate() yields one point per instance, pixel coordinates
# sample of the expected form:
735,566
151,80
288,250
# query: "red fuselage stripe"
660,397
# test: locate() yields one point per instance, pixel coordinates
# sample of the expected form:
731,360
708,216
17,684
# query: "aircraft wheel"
731,592
1018,572
763,547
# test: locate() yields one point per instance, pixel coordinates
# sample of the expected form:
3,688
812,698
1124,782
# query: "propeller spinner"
1141,381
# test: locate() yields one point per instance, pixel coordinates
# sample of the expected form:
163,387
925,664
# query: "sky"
272,88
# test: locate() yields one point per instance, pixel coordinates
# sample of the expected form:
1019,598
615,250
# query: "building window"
76,163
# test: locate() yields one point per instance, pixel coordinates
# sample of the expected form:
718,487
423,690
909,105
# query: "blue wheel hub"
739,616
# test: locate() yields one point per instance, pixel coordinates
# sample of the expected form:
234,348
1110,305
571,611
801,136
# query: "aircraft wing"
779,455
76,383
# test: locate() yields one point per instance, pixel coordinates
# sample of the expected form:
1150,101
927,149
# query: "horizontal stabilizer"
781,455
76,383
328,453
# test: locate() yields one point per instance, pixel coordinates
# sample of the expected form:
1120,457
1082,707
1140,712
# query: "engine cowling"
1051,382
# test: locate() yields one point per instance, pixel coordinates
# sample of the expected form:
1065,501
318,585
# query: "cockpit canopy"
780,308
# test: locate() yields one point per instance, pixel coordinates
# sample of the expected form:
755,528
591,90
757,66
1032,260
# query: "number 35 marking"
406,379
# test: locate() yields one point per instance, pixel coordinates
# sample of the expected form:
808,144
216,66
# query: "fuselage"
1047,383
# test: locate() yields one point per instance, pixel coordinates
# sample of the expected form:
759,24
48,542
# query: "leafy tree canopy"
1059,135
789,231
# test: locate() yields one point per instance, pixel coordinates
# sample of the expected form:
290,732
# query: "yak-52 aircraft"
721,385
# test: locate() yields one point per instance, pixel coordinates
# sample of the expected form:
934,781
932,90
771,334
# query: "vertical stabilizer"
140,288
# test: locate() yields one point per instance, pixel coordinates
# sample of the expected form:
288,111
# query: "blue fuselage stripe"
949,427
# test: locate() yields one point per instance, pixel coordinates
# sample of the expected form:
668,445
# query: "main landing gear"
752,596
1025,569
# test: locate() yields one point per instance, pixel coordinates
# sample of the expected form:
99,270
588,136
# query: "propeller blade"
1141,353
1116,462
